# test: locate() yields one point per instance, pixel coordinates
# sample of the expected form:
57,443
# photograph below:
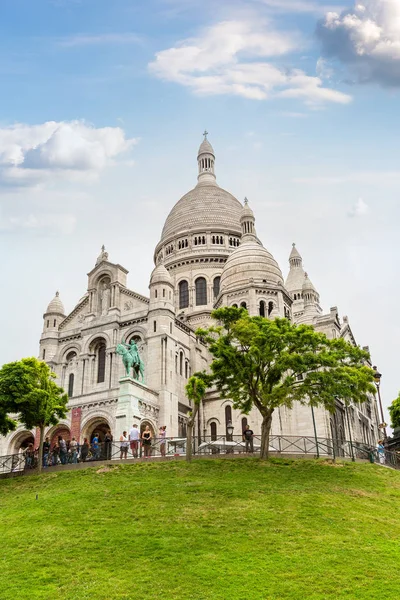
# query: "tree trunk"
189,437
265,431
40,453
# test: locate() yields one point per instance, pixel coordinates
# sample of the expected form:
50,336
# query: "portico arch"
20,441
97,424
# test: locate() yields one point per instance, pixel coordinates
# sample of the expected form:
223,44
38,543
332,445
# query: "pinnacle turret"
206,160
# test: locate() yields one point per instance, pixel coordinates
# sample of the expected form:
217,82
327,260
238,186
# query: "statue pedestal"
132,397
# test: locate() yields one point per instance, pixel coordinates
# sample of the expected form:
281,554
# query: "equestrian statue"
131,359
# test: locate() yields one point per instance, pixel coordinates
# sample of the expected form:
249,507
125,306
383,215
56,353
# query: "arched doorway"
60,430
99,425
143,426
21,441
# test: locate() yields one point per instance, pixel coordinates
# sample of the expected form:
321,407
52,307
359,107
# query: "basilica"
208,256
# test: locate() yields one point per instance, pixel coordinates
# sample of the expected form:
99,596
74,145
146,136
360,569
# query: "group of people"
144,439
72,451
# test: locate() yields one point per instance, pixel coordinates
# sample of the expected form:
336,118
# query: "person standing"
134,437
84,450
381,452
162,434
73,447
63,449
146,440
95,447
108,438
123,445
46,452
248,435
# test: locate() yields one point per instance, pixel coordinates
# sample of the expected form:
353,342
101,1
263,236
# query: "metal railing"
207,446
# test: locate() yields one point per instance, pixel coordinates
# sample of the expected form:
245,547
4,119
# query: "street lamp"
229,430
377,378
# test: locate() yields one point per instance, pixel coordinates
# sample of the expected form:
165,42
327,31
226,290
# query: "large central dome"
204,207
207,206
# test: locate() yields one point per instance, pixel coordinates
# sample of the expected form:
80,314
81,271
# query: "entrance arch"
143,426
20,441
62,430
99,425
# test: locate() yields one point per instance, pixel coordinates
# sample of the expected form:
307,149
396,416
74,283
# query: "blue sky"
102,109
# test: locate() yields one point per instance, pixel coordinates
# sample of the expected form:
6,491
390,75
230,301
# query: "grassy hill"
215,529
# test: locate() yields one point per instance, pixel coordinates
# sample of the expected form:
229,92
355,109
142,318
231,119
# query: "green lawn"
215,529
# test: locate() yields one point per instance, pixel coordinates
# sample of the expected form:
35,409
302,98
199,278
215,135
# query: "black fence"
207,446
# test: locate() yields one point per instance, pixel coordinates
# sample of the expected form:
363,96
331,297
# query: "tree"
195,389
271,363
28,391
394,411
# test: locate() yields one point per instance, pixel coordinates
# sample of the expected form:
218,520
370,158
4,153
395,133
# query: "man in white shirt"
134,437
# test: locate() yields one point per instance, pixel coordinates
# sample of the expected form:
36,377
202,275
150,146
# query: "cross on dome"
205,134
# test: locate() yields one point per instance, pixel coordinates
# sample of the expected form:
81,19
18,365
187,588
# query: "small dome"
294,253
246,211
250,261
295,279
307,285
56,306
160,275
206,148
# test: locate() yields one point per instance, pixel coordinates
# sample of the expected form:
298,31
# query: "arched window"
270,307
216,286
262,308
71,385
244,423
235,305
186,369
44,353
181,363
70,356
101,363
201,291
228,415
183,294
213,427
243,305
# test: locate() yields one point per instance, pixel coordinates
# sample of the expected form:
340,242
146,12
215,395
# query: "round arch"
103,273
100,336
151,424
99,423
135,330
213,420
72,347
20,440
60,429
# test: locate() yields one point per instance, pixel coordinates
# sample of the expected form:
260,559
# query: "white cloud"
30,154
103,38
359,209
47,223
366,37
228,59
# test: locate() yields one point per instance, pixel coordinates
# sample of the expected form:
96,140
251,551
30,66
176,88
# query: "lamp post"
382,426
229,434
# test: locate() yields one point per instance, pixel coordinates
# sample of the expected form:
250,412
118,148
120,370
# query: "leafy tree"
195,390
28,391
271,363
394,411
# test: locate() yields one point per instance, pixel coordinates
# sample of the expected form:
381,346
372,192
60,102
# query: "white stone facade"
208,256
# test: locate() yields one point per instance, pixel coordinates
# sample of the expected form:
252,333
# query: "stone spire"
103,256
295,259
248,223
206,160
295,278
